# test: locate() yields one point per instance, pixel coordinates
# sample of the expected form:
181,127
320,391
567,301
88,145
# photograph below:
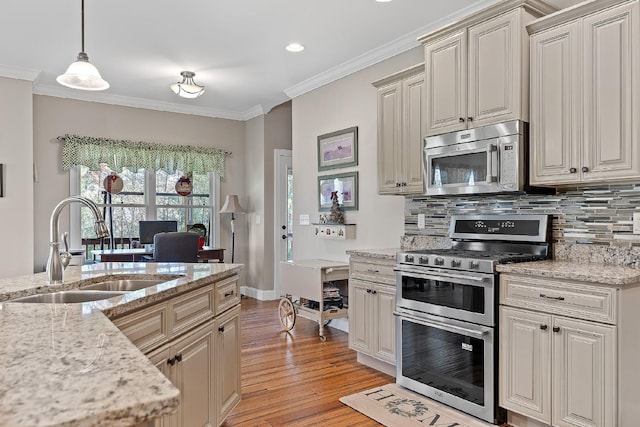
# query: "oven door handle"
437,275
437,325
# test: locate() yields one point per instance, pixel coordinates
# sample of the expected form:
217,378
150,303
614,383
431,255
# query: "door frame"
281,160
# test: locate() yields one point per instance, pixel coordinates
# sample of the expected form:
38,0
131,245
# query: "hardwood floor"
294,379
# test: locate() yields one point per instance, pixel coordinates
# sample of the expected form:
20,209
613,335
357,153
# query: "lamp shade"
83,75
231,205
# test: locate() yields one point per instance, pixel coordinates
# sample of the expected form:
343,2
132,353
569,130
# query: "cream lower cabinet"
194,340
559,351
372,300
585,94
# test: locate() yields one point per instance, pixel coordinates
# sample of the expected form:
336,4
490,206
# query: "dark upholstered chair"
175,247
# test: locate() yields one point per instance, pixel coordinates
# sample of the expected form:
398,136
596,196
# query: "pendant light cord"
82,26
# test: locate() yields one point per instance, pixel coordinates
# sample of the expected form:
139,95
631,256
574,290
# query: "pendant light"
187,88
82,74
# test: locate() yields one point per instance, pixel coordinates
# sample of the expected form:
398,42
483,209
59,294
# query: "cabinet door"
446,84
228,362
384,333
413,96
360,316
160,359
195,372
611,93
389,137
556,105
494,77
525,363
584,369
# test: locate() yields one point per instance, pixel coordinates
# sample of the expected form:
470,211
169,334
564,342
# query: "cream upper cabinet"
400,131
476,71
585,68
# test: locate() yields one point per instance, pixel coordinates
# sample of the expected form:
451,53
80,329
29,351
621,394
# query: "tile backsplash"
587,222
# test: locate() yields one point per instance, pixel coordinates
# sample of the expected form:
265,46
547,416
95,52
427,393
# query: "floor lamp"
232,206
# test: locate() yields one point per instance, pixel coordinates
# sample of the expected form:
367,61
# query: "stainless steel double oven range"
446,313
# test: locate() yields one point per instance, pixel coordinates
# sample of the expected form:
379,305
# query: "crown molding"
19,73
386,51
105,98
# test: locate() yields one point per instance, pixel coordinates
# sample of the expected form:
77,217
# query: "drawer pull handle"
368,291
556,329
373,291
178,357
221,329
171,361
228,294
548,297
372,270
543,327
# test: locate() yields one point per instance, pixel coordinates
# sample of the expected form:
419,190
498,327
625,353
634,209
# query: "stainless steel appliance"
488,159
446,314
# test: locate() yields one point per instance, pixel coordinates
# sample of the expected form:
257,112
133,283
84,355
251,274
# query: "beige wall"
16,154
350,101
264,135
57,116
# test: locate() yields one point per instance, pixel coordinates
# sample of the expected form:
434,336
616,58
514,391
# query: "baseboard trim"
258,294
376,364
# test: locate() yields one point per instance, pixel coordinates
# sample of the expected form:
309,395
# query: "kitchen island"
68,364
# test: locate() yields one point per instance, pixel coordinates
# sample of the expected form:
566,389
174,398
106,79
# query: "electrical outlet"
636,223
421,219
303,220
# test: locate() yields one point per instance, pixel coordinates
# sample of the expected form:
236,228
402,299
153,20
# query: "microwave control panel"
509,166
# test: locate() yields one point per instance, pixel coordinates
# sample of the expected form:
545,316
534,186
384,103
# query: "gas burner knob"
408,258
474,265
456,263
424,260
439,261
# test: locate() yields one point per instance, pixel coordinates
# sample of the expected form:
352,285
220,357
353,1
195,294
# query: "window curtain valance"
91,151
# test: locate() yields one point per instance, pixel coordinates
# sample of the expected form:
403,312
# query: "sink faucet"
57,263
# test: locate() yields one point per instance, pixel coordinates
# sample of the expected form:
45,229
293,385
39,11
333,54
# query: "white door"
283,217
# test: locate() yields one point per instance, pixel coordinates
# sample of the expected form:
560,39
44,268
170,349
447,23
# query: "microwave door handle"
437,325
492,162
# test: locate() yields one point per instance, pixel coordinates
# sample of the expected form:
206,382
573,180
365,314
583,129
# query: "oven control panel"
444,261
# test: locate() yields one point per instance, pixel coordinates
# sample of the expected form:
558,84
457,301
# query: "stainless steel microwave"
488,159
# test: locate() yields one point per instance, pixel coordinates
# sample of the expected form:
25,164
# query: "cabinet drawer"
568,298
380,271
191,309
227,294
147,328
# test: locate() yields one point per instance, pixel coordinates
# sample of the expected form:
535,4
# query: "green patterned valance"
90,151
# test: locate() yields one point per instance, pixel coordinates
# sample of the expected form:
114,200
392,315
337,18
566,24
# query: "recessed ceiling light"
295,47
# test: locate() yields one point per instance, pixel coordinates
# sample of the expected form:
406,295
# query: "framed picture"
338,149
346,186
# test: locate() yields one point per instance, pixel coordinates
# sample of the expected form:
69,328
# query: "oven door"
448,361
470,167
455,294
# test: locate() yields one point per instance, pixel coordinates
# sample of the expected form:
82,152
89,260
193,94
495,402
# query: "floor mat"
391,405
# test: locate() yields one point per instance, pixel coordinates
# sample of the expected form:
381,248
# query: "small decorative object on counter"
336,216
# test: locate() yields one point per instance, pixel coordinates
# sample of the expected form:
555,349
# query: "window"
146,195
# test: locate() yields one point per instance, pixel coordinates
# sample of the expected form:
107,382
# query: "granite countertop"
612,275
386,253
68,365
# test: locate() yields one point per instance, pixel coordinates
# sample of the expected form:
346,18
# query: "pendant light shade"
187,88
82,74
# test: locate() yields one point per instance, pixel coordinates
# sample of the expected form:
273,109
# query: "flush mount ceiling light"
294,47
82,74
187,88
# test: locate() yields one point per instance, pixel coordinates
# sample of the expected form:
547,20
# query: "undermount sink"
63,297
123,285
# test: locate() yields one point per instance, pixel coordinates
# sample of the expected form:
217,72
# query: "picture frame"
347,186
338,149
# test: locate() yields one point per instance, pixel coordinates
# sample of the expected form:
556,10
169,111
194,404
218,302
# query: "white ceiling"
235,47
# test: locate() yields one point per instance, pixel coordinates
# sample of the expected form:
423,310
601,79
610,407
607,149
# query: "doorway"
283,215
